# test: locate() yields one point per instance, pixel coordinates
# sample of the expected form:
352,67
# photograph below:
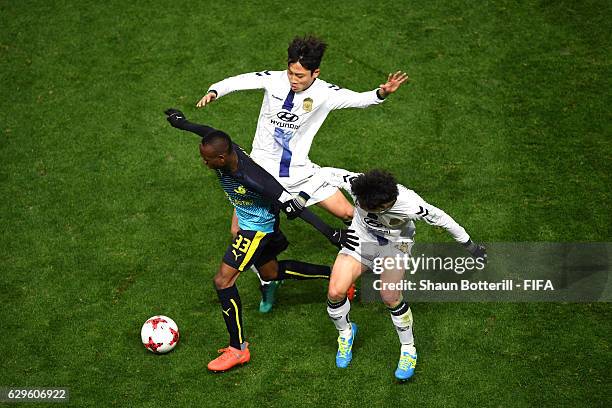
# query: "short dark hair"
219,140
308,51
374,188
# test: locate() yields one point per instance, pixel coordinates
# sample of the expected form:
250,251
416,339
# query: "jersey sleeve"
340,98
432,215
264,183
251,80
198,129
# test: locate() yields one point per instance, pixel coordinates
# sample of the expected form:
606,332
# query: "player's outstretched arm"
177,119
296,207
394,81
340,98
338,236
251,80
435,216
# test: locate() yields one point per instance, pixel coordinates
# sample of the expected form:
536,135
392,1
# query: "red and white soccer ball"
159,334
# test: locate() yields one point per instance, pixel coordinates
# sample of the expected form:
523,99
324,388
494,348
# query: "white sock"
401,316
409,348
339,313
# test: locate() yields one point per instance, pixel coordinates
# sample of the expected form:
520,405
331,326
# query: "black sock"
302,270
232,314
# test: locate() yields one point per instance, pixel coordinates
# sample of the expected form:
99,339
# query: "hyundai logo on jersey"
287,116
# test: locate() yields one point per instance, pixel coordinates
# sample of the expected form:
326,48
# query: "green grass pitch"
108,217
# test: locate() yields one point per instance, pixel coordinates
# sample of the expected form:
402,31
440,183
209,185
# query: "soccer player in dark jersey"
257,198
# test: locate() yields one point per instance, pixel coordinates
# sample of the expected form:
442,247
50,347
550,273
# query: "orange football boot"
229,358
351,292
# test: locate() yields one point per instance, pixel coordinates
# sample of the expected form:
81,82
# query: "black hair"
308,51
374,188
220,140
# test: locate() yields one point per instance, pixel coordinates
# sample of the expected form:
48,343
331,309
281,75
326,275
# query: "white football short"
301,180
322,192
371,247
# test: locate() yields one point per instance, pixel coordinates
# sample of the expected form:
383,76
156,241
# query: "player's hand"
344,238
175,117
206,99
478,251
294,207
393,83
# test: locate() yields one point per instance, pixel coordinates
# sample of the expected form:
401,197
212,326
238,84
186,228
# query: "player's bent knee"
391,303
336,294
219,282
391,299
222,281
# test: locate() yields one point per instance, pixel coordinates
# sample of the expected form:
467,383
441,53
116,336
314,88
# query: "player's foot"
407,363
345,348
351,292
268,296
229,358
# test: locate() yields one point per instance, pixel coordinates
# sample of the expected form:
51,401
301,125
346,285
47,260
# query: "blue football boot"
345,348
406,365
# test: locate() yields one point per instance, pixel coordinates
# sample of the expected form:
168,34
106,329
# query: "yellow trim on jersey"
252,248
306,276
237,320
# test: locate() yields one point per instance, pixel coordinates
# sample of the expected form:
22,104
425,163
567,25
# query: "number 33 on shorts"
240,253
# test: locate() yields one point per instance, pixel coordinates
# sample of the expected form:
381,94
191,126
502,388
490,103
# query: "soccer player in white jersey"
384,222
295,104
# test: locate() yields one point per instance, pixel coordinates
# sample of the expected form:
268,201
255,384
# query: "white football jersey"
397,222
288,121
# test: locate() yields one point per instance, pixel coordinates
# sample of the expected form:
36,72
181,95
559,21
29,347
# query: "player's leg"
333,201
225,284
231,307
345,272
276,243
239,256
276,271
267,288
288,269
322,194
401,316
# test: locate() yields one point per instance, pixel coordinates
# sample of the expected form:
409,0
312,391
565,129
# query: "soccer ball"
159,334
